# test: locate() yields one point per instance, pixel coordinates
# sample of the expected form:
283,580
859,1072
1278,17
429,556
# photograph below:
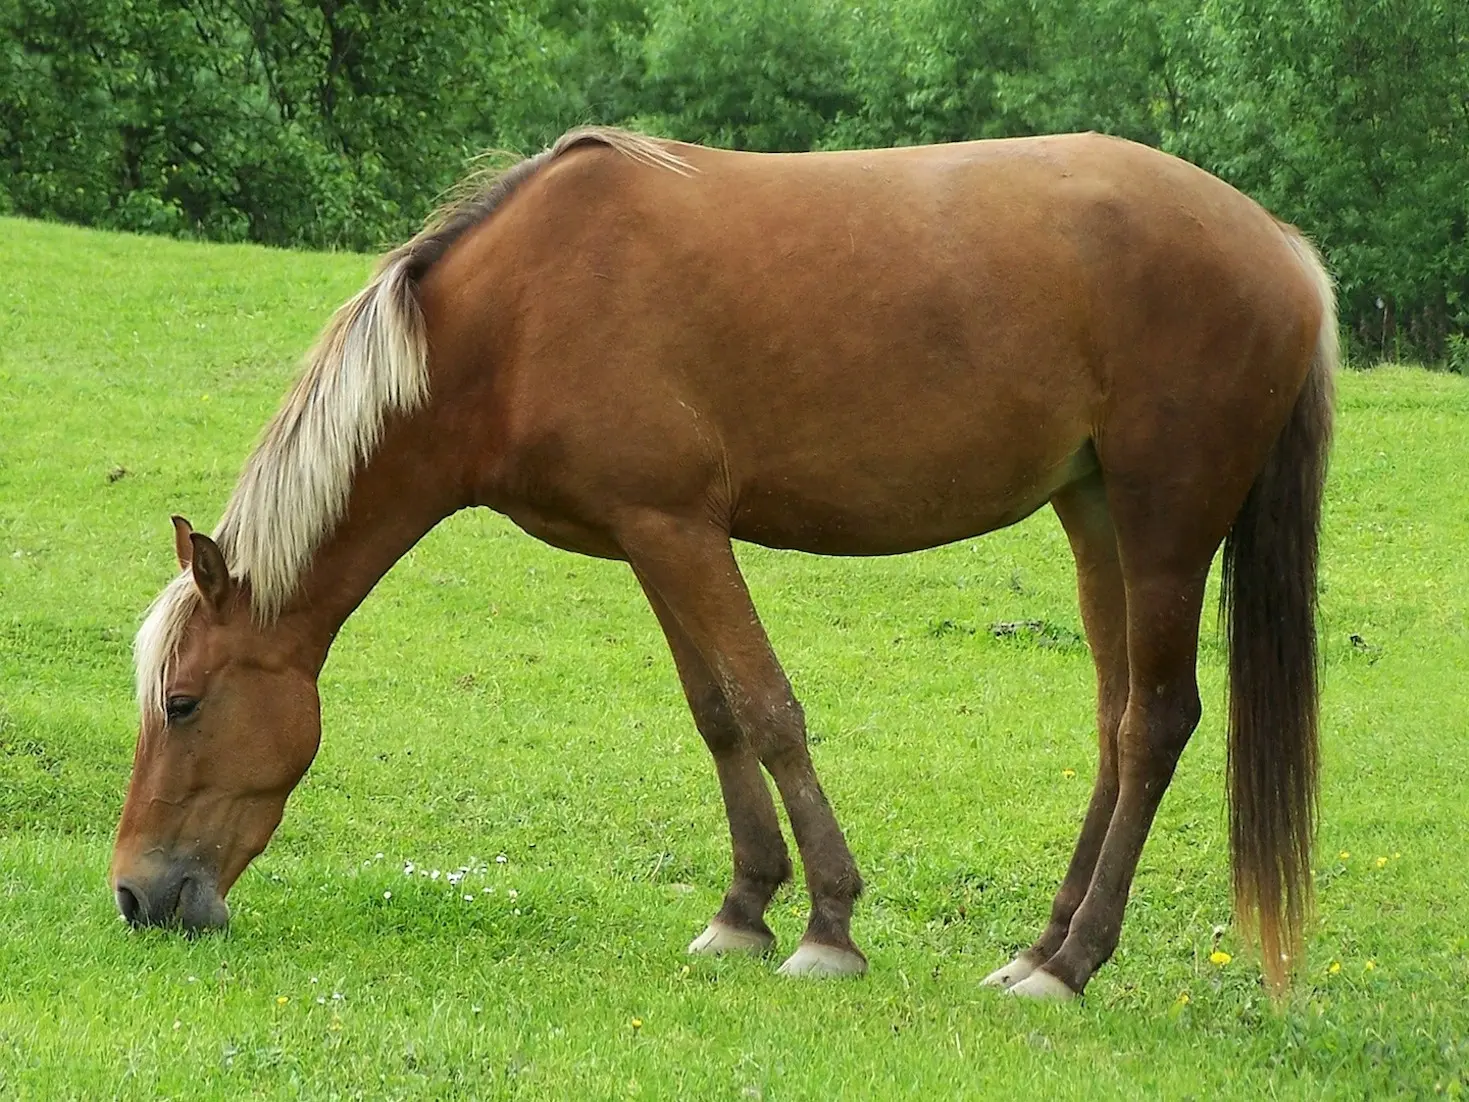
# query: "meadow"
485,885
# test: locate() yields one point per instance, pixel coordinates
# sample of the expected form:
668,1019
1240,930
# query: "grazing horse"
640,350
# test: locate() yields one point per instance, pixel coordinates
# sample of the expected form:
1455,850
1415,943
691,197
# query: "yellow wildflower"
1183,999
1381,861
281,1000
1220,957
1344,854
1335,967
637,1023
1068,773
1371,964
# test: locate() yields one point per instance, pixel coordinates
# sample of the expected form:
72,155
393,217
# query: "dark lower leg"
831,874
1162,712
761,862
1102,597
1083,863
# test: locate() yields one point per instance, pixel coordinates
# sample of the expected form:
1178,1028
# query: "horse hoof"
1042,985
718,938
821,961
1008,976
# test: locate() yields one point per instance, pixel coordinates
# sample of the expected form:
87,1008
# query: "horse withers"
641,350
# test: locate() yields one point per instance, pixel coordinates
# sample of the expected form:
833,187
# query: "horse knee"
715,721
776,729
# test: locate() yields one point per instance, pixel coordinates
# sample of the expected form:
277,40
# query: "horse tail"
1268,608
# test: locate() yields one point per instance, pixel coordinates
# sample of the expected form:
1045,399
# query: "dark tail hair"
1269,612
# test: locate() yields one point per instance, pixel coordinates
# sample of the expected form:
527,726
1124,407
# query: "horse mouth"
188,902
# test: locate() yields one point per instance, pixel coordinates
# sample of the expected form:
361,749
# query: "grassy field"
508,712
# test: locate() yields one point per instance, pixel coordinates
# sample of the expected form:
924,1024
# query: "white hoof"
820,961
718,938
1012,973
1042,985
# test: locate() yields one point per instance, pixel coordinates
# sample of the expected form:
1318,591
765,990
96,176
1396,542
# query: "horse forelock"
158,639
371,361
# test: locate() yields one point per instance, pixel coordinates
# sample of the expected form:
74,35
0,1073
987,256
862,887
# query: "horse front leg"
761,863
691,568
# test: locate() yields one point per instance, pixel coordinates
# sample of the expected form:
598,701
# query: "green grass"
496,697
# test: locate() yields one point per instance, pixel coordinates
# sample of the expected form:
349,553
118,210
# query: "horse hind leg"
1167,533
1082,509
761,862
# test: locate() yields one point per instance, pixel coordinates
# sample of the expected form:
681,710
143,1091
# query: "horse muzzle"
181,895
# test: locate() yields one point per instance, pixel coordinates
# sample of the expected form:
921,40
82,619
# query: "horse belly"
892,508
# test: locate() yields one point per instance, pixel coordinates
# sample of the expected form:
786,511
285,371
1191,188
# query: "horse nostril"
127,903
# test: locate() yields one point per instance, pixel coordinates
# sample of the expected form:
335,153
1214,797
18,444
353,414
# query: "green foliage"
337,122
1350,119
747,74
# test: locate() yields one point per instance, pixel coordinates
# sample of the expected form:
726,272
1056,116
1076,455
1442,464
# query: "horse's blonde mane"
370,362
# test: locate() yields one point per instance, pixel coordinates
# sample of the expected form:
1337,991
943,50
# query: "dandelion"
1220,957
1183,999
1371,965
281,1000
1068,773
1381,862
1334,968
637,1023
1344,855
1395,856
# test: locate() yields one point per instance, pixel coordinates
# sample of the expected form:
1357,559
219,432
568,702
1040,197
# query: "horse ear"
181,545
211,574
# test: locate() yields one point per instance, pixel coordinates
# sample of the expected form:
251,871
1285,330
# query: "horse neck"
410,483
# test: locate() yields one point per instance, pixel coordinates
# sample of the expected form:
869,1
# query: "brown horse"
640,350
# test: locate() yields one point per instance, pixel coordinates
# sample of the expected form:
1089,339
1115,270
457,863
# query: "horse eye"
180,708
